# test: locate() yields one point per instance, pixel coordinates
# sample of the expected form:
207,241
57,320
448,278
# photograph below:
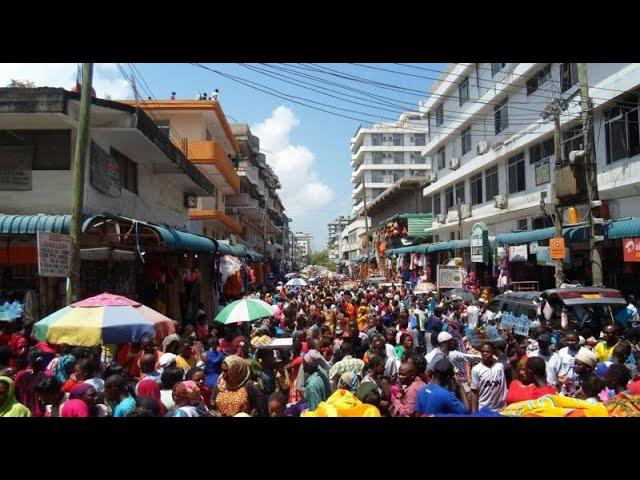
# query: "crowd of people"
379,351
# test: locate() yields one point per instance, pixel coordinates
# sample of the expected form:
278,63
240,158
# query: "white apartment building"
351,240
383,154
303,246
334,229
490,147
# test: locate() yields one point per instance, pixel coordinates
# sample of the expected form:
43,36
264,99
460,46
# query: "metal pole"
591,171
79,164
557,221
366,221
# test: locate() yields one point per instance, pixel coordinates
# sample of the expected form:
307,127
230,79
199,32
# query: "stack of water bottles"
11,310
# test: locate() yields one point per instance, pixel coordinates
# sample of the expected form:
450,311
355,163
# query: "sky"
308,149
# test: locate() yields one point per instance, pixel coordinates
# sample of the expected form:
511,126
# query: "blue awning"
254,256
178,240
623,228
30,224
526,236
234,250
224,249
451,245
421,248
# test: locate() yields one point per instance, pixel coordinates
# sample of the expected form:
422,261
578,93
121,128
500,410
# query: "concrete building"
334,229
489,146
303,247
351,241
385,153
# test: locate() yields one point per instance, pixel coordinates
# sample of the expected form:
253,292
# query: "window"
398,139
460,193
540,156
376,139
496,67
165,127
437,205
397,175
377,158
398,158
128,171
440,115
572,139
538,80
417,158
491,182
453,236
419,139
523,224
448,198
51,148
375,192
516,174
463,91
442,161
475,182
466,140
428,204
621,132
568,76
501,115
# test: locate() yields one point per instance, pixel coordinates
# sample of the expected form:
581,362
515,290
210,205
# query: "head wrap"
314,358
79,390
11,407
587,357
349,381
62,370
74,408
174,337
237,373
150,388
191,392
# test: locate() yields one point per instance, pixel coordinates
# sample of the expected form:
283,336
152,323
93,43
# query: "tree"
21,84
321,258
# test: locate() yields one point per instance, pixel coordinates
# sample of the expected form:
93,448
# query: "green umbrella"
245,310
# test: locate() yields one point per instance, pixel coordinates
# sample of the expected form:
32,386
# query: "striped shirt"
347,364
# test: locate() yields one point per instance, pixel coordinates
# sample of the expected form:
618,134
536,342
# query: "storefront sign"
480,243
518,253
105,171
543,257
631,249
54,254
557,248
450,276
15,168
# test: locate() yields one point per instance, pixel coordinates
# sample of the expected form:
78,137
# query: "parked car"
588,308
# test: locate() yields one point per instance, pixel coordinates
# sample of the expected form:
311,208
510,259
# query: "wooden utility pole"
366,219
591,172
79,164
554,109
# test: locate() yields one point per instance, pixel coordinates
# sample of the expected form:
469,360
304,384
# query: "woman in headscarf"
151,389
27,380
63,367
188,400
212,359
235,392
87,393
74,408
9,405
349,381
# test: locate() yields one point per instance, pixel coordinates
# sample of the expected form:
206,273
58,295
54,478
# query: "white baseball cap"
444,337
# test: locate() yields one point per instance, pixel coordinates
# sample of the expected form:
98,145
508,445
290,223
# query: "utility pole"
459,208
554,109
79,164
591,172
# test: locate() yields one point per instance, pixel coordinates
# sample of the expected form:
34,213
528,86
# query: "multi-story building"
351,241
492,151
385,153
303,247
334,229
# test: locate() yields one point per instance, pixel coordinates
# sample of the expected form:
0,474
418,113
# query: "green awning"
623,228
526,236
189,242
254,256
409,249
224,249
451,245
234,250
417,223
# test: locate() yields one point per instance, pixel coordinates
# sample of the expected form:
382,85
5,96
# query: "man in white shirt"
486,315
560,368
488,382
473,313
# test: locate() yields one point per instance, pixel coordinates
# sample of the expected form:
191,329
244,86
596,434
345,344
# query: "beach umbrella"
245,310
103,319
296,282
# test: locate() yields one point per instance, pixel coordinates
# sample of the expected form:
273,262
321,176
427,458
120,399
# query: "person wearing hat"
439,352
434,398
317,385
560,368
540,347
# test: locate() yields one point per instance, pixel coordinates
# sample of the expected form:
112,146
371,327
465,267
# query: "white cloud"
303,193
106,77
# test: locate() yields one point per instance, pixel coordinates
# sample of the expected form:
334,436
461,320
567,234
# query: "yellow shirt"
603,351
186,365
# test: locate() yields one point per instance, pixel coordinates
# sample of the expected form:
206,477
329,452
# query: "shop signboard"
631,249
450,276
518,253
557,248
543,257
480,243
54,254
15,168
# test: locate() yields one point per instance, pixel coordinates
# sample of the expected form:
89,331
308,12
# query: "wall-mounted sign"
480,243
518,253
450,276
543,257
631,249
15,168
105,171
557,248
54,254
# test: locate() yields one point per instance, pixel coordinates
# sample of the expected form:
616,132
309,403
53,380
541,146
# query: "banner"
450,276
480,243
631,249
518,253
543,257
54,254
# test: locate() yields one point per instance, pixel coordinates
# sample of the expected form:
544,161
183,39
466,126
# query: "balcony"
216,216
212,160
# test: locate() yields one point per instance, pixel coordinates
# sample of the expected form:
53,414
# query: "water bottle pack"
521,324
11,311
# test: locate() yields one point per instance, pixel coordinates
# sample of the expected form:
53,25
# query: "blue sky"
308,148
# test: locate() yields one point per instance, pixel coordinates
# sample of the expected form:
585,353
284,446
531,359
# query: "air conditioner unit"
482,147
501,201
465,210
441,218
431,177
454,163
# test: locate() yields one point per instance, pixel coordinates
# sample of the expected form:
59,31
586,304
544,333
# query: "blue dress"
212,368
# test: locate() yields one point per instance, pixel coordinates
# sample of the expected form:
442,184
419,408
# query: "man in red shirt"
534,384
